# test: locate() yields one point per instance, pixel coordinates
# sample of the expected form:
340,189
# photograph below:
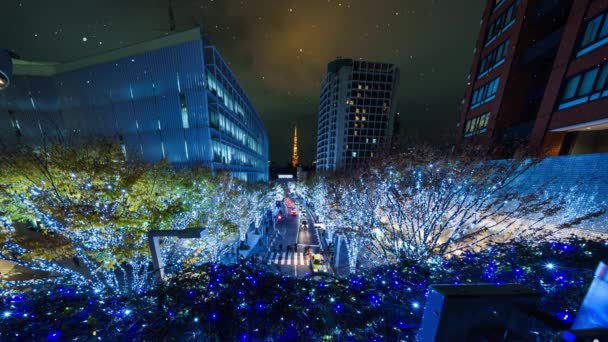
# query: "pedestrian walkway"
287,258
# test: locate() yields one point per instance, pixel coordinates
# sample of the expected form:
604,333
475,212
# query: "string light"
367,302
124,298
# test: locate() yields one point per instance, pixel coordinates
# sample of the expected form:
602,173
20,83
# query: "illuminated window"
497,4
495,58
15,123
182,100
501,23
354,154
485,93
476,125
357,118
586,86
359,87
357,110
364,118
358,94
364,111
595,34
356,133
374,141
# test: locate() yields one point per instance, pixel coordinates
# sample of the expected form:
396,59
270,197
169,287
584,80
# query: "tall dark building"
539,78
356,112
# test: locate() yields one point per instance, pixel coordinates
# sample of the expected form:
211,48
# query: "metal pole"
157,262
154,244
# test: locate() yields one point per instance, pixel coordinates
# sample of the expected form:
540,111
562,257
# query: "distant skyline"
279,49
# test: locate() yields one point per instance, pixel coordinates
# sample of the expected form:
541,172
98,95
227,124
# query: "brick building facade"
539,78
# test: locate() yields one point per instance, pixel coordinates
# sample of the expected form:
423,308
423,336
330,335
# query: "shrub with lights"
244,301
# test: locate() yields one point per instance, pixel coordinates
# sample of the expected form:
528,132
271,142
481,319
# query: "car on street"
293,212
319,264
304,224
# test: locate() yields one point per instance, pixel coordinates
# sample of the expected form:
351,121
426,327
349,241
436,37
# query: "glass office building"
356,112
171,98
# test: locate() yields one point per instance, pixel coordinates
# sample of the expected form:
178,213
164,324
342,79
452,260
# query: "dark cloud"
279,49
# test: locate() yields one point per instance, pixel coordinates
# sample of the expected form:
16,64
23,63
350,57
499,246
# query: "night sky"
279,49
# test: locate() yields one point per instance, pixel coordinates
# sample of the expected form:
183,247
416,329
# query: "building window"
476,125
595,34
586,86
354,154
495,58
184,109
497,4
502,23
485,93
15,123
571,86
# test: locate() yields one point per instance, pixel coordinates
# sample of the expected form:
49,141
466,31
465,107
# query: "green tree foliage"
96,203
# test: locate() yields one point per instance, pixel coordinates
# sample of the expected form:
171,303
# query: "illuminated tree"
357,203
210,208
323,200
96,207
424,205
246,204
278,192
430,206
